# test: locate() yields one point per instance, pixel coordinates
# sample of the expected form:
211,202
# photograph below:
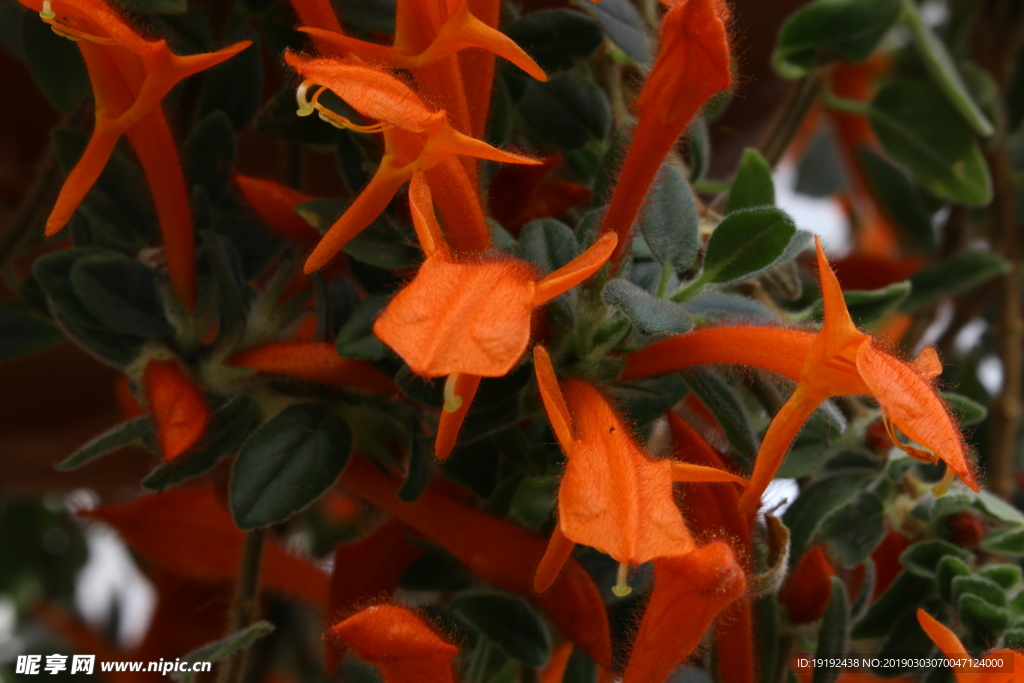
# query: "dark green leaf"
920,128
981,616
385,245
277,119
436,572
753,186
231,302
832,638
948,568
967,411
952,276
723,402
854,530
418,469
548,244
624,26
287,464
901,598
1005,542
746,242
229,427
649,314
978,585
509,623
568,111
225,647
114,348
210,153
55,62
645,400
722,307
23,332
900,198
940,64
113,439
668,221
236,86
53,273
812,447
698,141
829,30
923,558
121,293
1005,575
906,640
370,15
427,391
557,39
820,173
356,338
816,502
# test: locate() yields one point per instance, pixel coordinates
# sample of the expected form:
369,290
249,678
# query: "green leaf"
113,439
918,126
557,39
923,558
753,186
948,568
644,401
730,413
820,173
624,25
832,637
418,469
830,30
231,303
235,87
816,502
1006,576
953,276
436,572
746,242
900,198
55,63
669,221
356,338
509,623
967,411
1005,542
980,616
210,153
287,464
900,599
23,332
221,649
854,530
229,427
385,245
940,64
978,585
698,141
548,244
649,314
906,640
568,111
121,294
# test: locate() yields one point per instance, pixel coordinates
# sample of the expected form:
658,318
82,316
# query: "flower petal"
577,270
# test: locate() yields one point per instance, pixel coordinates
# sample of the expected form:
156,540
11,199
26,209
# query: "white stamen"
305,106
621,588
452,401
47,12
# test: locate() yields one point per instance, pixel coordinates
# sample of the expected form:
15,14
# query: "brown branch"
245,603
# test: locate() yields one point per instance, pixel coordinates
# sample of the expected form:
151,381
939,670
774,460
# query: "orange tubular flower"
838,361
692,65
954,649
275,204
807,589
689,592
398,643
416,138
498,552
469,318
613,496
178,406
130,76
313,361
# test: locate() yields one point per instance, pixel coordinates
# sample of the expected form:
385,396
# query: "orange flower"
838,361
276,205
520,194
398,643
179,408
613,496
416,138
692,65
187,532
498,552
807,589
313,361
689,592
469,317
954,649
130,76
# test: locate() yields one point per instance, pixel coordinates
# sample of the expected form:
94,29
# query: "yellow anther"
947,481
452,401
47,12
64,31
305,106
621,588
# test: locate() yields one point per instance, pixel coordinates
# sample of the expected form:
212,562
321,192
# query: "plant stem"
792,116
245,602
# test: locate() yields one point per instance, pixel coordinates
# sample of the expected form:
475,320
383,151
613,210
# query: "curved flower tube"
313,361
951,646
130,76
838,361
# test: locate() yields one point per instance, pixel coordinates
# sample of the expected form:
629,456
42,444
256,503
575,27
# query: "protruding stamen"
621,588
305,106
915,453
47,12
452,401
947,481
